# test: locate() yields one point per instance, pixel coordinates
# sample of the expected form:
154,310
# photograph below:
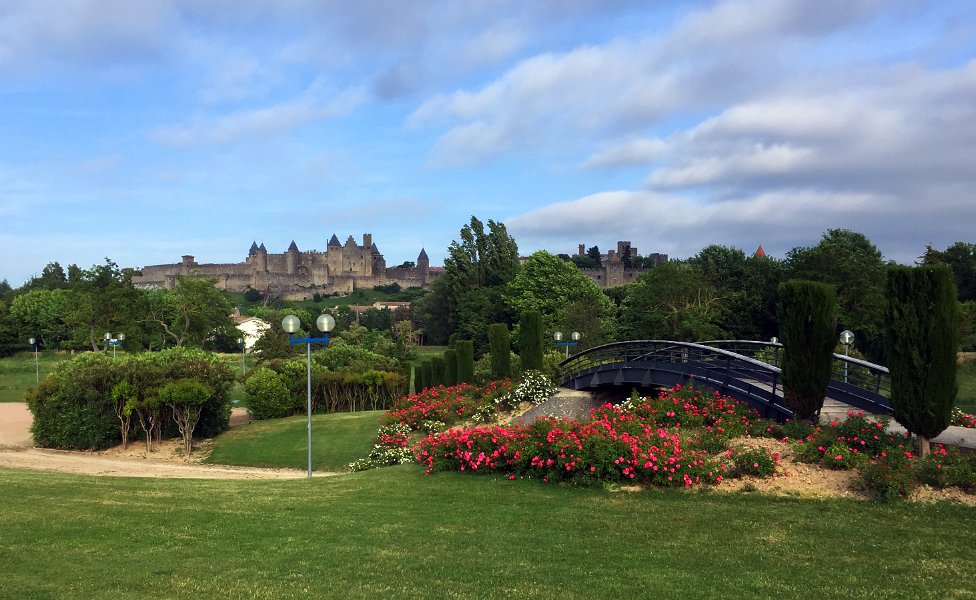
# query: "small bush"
947,468
754,461
268,396
887,480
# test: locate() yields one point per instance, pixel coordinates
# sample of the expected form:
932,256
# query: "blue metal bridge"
745,370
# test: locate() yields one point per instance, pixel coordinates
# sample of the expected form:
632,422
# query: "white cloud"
273,120
630,152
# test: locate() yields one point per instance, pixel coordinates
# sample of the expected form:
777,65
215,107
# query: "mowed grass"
395,533
17,373
966,378
337,440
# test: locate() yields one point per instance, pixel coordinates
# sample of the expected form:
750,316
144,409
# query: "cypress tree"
501,351
465,361
530,340
807,321
922,338
426,374
451,373
438,368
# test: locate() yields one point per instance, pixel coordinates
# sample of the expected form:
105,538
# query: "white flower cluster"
535,387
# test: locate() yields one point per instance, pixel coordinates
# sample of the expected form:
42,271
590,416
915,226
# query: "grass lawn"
966,400
337,440
17,372
396,533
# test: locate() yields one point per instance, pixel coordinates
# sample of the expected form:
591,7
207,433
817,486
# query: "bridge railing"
746,369
850,371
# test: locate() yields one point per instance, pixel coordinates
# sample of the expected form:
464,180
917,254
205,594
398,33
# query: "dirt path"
17,451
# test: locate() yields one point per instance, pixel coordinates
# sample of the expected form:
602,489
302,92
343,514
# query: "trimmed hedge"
73,408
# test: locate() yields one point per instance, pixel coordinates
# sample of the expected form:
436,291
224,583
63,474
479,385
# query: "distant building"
251,328
296,275
613,271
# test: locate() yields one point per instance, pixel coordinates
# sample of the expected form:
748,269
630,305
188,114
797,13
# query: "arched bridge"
745,370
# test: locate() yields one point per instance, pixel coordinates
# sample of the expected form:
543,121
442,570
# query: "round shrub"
267,395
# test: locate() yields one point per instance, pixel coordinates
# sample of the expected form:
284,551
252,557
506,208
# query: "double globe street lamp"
114,341
292,324
558,336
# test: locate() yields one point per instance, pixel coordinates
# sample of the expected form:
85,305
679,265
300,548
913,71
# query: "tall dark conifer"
501,351
807,321
921,334
530,340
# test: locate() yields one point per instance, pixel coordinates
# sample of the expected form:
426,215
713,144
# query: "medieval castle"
297,275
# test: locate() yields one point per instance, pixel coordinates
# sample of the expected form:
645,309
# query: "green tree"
530,341
747,286
594,255
103,300
427,373
40,314
961,258
848,261
475,271
438,370
465,361
451,375
501,351
566,298
185,398
673,301
193,311
922,338
267,395
807,320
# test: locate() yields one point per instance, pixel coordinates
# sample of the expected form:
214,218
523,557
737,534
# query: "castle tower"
291,258
262,258
423,265
582,250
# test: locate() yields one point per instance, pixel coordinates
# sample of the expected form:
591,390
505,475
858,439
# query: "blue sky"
142,131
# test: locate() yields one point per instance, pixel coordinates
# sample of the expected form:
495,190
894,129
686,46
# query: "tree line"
719,293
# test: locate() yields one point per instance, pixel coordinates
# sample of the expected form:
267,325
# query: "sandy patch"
166,460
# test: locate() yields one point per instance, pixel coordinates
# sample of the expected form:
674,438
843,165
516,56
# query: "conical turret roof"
334,241
423,255
293,247
373,249
261,248
254,248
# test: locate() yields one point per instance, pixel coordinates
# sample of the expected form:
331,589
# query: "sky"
142,131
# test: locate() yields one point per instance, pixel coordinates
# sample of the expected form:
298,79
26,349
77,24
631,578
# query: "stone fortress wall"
612,272
296,275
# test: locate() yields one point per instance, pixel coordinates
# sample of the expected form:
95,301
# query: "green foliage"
192,312
427,373
530,340
757,462
922,341
961,258
672,301
848,261
501,351
475,272
75,407
482,368
465,361
567,299
438,371
887,479
41,314
451,367
267,395
806,315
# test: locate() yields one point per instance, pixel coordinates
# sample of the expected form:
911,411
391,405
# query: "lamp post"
558,336
291,324
240,342
775,340
37,368
846,338
113,342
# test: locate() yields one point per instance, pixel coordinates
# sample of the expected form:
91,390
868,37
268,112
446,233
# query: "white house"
251,328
